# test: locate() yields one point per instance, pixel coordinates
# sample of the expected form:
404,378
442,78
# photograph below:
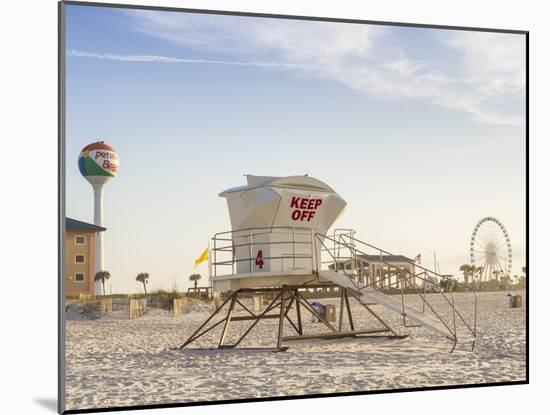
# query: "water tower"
98,163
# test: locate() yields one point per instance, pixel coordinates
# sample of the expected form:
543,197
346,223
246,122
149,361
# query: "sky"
421,131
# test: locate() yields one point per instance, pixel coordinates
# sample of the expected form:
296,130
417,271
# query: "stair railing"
427,273
425,276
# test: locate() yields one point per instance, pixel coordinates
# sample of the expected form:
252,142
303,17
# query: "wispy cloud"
278,65
486,79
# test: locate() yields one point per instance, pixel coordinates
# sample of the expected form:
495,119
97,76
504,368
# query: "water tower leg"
98,220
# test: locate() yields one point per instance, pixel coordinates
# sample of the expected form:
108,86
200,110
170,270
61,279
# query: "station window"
79,240
79,259
79,277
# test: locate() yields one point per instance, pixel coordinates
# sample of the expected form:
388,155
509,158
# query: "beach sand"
113,361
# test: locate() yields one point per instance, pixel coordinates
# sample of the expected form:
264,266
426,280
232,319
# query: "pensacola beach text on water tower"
98,163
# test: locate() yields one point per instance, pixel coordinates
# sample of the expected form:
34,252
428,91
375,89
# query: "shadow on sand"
48,403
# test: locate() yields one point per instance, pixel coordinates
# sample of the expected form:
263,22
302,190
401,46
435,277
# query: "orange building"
79,256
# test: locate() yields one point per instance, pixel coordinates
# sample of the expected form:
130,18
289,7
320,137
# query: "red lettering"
259,259
110,166
304,209
105,155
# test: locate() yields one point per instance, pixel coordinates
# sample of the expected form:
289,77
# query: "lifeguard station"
280,247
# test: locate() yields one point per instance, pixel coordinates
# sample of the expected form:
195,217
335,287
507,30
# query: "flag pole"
209,266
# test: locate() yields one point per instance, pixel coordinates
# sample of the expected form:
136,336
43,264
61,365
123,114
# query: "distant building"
380,271
79,256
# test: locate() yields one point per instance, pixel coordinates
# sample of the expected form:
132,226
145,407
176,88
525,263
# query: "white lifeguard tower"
279,246
274,221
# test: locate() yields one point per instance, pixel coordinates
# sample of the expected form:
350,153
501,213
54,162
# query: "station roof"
387,258
295,182
375,258
85,226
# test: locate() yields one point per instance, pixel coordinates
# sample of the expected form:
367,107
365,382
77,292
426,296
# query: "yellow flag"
202,258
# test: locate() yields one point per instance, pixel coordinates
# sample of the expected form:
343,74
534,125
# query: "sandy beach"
113,361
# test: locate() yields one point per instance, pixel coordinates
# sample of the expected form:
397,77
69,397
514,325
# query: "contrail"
168,59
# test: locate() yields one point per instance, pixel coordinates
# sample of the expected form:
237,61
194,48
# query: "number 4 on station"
259,259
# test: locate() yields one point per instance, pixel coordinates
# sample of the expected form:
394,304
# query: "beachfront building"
380,271
80,240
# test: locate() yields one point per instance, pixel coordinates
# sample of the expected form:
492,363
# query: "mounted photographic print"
258,207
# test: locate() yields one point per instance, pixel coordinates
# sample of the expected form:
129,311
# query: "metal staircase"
439,312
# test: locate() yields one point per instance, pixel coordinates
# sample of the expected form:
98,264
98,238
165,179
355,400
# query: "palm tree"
505,281
102,276
467,270
195,278
143,277
479,270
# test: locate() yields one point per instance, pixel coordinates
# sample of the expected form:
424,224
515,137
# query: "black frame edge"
61,403
292,17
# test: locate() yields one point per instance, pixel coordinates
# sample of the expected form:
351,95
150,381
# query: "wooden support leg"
228,318
298,312
248,310
270,307
341,316
281,318
194,335
292,299
351,325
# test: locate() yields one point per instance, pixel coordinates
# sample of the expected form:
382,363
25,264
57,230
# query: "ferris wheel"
490,249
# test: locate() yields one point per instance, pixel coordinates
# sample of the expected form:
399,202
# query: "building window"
79,240
79,259
79,277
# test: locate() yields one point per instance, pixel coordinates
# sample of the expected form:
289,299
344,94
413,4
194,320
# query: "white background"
28,268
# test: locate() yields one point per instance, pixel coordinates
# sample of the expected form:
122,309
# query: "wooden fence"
138,307
106,305
179,306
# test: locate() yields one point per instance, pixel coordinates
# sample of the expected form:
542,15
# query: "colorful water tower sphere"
98,163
